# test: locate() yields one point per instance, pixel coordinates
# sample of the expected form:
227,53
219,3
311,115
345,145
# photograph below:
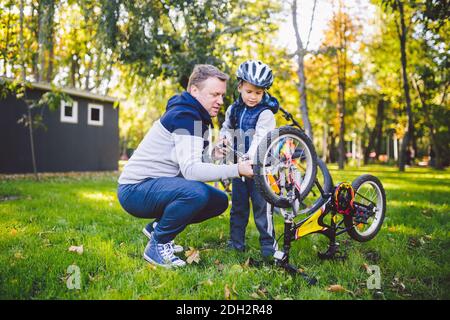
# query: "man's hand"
245,169
220,149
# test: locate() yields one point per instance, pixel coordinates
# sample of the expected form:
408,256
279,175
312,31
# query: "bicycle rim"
369,193
288,163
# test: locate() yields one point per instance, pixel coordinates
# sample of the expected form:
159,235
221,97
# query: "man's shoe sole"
148,259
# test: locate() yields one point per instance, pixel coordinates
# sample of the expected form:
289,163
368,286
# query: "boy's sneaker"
148,231
232,246
161,254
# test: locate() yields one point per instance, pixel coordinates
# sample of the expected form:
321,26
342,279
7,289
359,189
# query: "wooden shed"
79,136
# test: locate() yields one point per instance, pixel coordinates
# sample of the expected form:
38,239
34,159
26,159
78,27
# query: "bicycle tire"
349,222
263,187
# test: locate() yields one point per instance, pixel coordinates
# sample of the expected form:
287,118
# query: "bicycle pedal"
279,255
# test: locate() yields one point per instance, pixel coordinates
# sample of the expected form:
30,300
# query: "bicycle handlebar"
288,116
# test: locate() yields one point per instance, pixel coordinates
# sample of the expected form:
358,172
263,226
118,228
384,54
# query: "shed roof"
70,91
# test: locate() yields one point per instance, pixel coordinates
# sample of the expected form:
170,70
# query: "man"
164,178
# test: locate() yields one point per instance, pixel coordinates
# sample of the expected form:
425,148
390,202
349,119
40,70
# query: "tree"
300,53
402,27
341,34
430,77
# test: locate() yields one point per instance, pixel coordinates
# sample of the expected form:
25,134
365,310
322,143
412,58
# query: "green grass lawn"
40,221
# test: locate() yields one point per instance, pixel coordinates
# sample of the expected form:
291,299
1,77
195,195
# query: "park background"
368,80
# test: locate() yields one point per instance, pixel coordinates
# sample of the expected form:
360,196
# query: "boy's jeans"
174,201
239,215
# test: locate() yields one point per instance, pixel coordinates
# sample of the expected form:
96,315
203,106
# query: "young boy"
247,121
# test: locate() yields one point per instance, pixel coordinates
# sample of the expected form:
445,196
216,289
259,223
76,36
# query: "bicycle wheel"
286,166
369,208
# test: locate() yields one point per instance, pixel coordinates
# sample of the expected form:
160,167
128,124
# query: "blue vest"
245,118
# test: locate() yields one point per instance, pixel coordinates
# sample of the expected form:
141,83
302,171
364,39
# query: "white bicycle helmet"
255,72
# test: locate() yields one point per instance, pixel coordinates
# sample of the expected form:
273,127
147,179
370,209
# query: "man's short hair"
202,72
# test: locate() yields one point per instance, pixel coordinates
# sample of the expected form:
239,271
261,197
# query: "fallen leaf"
336,288
46,243
252,263
219,265
233,288
227,292
235,268
77,249
413,242
192,255
151,266
19,255
427,213
254,295
262,292
397,284
207,282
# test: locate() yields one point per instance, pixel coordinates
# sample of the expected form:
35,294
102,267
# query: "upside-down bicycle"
286,174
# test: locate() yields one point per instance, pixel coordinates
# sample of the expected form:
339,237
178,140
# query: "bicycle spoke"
366,198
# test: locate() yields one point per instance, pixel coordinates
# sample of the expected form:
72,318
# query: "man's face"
210,95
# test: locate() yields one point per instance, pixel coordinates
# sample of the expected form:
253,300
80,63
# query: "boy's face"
251,95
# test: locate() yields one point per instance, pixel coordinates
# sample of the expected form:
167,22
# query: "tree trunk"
22,49
332,148
375,138
429,123
35,31
41,41
5,56
73,70
325,142
341,108
301,88
410,126
341,114
88,73
51,58
30,131
45,39
379,126
341,57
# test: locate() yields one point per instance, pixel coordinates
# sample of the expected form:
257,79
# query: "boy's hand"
245,169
